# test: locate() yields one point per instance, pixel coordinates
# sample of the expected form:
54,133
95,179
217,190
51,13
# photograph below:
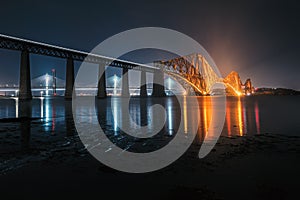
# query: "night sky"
258,39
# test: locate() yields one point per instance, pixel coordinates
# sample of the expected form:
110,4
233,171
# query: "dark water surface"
45,119
244,115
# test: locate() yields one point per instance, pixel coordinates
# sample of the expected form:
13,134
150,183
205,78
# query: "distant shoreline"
276,91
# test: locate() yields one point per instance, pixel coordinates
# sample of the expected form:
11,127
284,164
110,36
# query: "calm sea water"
244,116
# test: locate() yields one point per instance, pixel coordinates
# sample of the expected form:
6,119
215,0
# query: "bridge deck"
14,43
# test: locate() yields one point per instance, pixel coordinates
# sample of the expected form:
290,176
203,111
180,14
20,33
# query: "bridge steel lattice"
194,72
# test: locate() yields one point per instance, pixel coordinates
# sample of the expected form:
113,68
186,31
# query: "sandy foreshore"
264,166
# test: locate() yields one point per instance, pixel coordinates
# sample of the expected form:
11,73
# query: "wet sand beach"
258,167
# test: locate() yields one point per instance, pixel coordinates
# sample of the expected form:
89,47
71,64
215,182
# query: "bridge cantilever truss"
194,71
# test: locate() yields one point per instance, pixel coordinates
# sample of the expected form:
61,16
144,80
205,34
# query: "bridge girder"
13,43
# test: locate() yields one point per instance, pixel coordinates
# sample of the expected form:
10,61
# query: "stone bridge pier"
101,93
69,78
25,80
158,84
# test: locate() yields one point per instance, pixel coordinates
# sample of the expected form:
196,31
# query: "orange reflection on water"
185,121
235,117
205,115
256,110
240,116
228,120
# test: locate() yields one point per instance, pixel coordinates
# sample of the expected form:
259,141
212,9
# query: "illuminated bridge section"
193,69
194,72
233,84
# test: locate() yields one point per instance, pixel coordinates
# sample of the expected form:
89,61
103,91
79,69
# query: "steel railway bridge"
192,71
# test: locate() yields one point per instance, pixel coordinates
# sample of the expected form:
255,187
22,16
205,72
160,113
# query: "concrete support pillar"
25,80
101,82
158,84
143,89
125,83
69,78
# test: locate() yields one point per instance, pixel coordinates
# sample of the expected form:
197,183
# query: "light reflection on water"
244,115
